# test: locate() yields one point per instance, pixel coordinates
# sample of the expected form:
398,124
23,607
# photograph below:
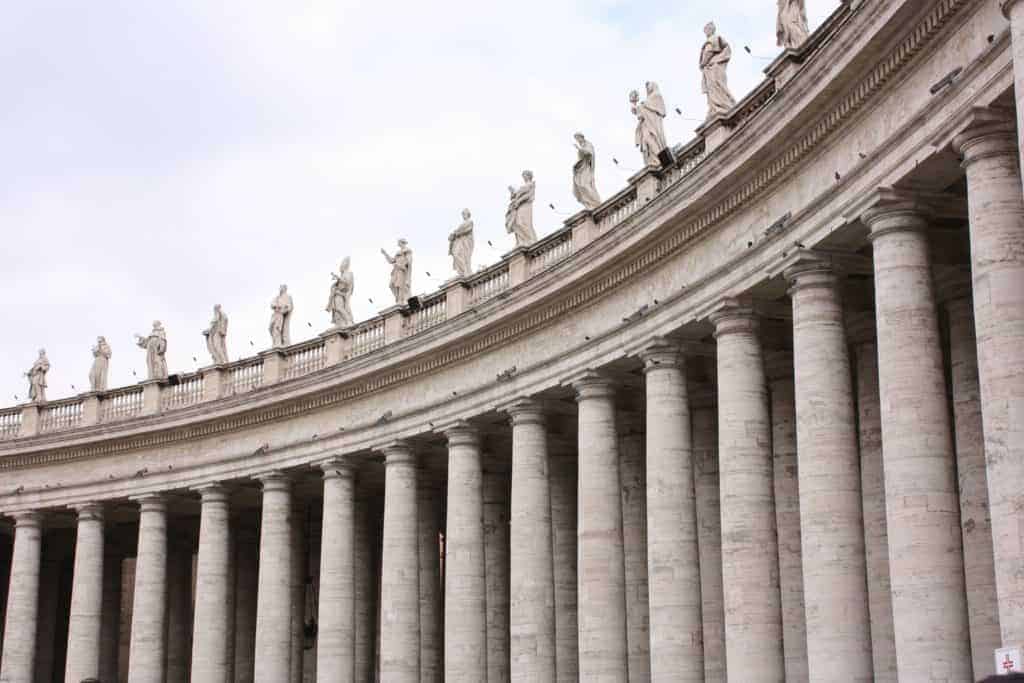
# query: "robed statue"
519,217
339,303
714,59
101,354
156,348
401,272
280,318
217,337
37,378
791,28
460,246
584,183
650,123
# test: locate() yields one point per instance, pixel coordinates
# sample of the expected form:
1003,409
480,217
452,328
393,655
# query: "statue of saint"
101,354
217,337
281,318
156,346
584,184
37,378
714,58
650,123
791,28
401,272
460,246
519,217
339,304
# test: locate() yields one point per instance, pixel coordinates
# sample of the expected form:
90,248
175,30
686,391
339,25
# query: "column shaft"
400,581
19,648
709,539
602,579
274,595
634,550
366,552
532,608
336,638
922,510
85,622
496,560
672,548
212,621
147,658
831,522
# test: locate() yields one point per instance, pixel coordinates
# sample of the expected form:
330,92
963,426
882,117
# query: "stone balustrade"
305,358
121,404
188,390
433,311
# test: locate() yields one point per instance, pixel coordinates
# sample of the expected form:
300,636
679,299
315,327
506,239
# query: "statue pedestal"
584,229
213,381
714,132
90,408
646,182
29,420
273,365
518,266
337,345
456,293
151,396
394,323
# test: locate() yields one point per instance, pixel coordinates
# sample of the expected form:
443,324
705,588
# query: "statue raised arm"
155,345
401,272
339,304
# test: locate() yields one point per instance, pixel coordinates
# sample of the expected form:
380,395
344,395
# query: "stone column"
779,369
431,522
831,522
400,581
336,638
148,650
1014,11
564,542
86,619
861,330
532,580
19,649
997,267
111,627
246,589
750,560
673,567
274,595
210,632
633,480
602,580
497,488
922,510
465,604
709,537
976,522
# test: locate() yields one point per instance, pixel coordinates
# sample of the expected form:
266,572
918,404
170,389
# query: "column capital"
461,433
398,453
274,481
662,353
593,384
214,492
989,132
895,211
89,512
734,316
860,328
778,365
151,502
337,467
27,519
523,411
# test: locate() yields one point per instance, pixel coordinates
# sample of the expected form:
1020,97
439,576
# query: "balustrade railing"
121,404
368,337
305,359
55,417
10,423
245,376
433,312
550,251
489,284
188,391
687,159
621,207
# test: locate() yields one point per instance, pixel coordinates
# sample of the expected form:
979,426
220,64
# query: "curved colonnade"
752,419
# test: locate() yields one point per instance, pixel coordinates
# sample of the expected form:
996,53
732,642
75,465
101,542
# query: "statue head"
403,243
216,308
284,288
345,264
42,353
709,29
634,96
101,340
651,87
466,214
579,138
527,176
157,325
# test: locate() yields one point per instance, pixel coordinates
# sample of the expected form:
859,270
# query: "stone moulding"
502,332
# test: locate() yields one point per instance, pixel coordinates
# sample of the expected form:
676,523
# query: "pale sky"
158,157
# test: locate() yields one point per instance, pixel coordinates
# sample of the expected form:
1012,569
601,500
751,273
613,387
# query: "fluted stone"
922,509
601,572
779,368
246,589
634,550
431,522
335,644
212,620
991,160
19,647
704,421
85,622
147,658
564,509
274,595
750,561
672,548
400,583
861,329
532,580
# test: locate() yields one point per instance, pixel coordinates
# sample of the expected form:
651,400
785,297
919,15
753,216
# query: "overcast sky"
161,156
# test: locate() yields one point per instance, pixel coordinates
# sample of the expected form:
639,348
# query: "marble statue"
401,272
460,246
156,348
281,318
339,304
101,354
791,28
714,59
519,217
650,123
37,378
584,184
217,337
